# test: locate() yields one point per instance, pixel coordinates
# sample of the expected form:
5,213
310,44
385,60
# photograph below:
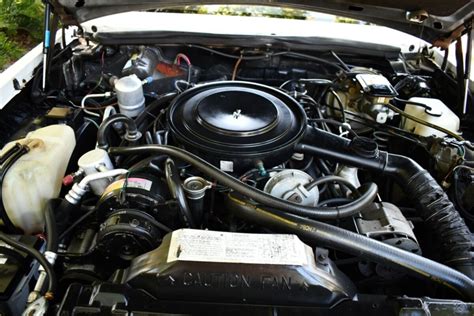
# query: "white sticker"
225,247
227,166
139,183
136,183
3,260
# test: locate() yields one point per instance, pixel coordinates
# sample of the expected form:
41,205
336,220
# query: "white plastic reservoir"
439,115
37,176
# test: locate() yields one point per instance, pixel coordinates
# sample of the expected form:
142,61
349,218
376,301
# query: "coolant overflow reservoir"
434,112
36,176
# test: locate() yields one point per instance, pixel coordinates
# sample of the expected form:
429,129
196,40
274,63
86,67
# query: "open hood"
436,21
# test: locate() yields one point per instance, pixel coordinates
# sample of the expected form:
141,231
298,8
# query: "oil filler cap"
365,147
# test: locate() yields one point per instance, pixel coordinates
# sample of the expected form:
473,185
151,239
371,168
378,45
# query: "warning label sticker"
227,166
136,183
225,247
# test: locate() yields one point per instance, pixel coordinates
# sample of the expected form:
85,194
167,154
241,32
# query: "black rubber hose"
175,186
153,106
35,254
7,154
326,213
326,235
450,232
334,201
50,227
102,134
332,178
74,225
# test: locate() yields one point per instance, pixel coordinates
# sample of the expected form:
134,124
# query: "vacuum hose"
326,235
450,232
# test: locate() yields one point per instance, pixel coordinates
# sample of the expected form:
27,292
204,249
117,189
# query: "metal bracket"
418,16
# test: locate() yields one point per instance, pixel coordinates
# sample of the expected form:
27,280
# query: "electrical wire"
253,171
341,105
156,121
333,122
343,64
313,58
38,256
92,108
309,80
96,86
71,227
217,52
270,55
177,61
180,56
236,67
394,131
154,105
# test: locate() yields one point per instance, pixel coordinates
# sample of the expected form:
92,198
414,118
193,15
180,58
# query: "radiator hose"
325,235
344,240
450,233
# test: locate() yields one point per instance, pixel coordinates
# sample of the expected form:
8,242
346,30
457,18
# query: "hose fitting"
78,190
132,134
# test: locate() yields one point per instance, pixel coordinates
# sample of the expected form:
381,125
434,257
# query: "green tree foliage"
9,51
21,25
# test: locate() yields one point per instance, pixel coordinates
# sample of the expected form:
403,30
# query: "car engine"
187,178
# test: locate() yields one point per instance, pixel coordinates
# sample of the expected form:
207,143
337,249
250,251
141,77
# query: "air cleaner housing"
236,124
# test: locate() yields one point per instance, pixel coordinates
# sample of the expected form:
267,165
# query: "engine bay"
186,178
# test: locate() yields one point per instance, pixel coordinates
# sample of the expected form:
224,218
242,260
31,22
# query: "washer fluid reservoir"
36,176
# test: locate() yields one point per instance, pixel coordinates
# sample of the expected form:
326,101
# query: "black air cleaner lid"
236,119
236,113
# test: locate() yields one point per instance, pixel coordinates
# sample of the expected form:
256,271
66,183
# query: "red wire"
41,236
184,57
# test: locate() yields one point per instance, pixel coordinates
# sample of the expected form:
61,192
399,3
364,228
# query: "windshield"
258,11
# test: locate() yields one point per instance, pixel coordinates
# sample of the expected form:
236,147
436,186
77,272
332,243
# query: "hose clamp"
132,136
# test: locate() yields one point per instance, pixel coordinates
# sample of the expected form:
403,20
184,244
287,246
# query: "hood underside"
432,21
